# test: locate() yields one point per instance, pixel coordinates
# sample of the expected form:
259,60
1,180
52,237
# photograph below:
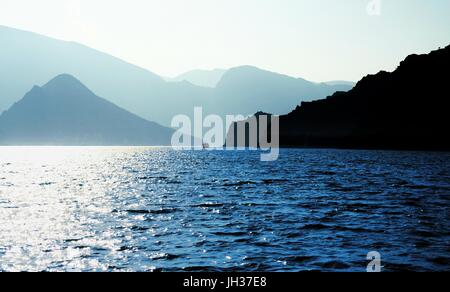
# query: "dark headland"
405,109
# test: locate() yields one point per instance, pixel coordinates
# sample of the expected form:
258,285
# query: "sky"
320,40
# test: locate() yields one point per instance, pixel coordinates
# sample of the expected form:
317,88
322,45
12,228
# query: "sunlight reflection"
50,196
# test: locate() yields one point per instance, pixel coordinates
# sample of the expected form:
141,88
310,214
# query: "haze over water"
147,209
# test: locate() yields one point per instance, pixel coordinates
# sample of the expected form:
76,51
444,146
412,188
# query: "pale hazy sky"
316,39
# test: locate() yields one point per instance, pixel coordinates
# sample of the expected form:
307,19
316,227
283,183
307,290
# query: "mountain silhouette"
204,78
405,109
255,90
65,112
28,59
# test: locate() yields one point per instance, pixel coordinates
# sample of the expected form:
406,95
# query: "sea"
157,209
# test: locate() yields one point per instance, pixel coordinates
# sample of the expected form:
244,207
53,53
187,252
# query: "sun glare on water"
51,195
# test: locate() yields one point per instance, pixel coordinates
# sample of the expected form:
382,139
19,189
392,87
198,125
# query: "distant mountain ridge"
254,90
28,59
65,112
405,109
204,78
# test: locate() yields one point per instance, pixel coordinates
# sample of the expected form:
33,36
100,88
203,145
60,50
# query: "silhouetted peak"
65,112
66,83
65,79
250,76
248,73
249,70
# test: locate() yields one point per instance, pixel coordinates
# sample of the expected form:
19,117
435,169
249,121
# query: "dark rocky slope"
405,109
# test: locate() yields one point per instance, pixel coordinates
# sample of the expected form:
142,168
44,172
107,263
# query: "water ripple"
151,209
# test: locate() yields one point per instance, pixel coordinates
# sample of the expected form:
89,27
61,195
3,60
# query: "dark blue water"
144,209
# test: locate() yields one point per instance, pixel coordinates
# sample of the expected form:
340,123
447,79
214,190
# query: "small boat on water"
205,146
